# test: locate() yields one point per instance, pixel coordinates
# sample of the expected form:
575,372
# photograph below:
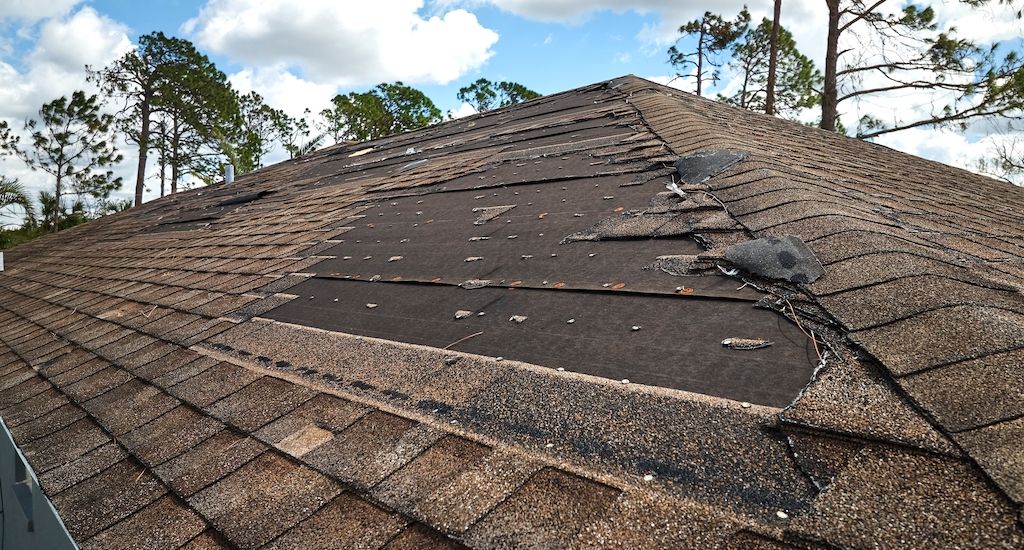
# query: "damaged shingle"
786,258
701,167
653,222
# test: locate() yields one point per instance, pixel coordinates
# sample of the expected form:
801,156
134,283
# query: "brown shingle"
260,402
166,523
169,435
212,384
888,497
997,450
208,461
971,393
65,445
550,509
324,411
111,495
371,449
129,406
82,467
264,498
347,518
432,469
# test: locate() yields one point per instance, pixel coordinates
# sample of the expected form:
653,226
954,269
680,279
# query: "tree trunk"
830,95
175,161
56,209
163,157
773,60
700,58
140,176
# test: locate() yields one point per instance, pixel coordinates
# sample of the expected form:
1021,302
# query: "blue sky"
548,57
299,54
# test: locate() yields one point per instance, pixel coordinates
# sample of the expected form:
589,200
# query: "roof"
504,331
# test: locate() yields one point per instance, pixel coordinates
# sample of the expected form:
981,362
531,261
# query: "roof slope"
290,360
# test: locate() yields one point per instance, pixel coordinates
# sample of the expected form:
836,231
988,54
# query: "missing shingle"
305,440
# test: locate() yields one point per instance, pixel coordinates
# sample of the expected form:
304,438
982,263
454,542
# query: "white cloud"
55,67
464,110
283,90
34,10
346,44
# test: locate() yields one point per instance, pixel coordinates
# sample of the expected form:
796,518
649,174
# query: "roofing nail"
560,369
553,255
511,236
474,258
570,321
591,255
608,197
394,258
462,314
635,328
526,256
368,258
543,282
335,299
404,241
577,215
745,405
499,358
549,445
481,314
346,257
371,306
311,297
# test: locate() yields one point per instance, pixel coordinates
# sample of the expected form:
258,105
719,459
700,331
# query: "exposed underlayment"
620,316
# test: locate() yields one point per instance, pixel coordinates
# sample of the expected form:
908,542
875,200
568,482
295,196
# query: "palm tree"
12,194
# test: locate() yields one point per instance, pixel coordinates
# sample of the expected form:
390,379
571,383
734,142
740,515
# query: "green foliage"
13,197
73,142
170,78
906,52
714,35
296,134
485,95
798,80
252,137
385,110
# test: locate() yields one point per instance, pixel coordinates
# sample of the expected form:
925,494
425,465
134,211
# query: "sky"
300,54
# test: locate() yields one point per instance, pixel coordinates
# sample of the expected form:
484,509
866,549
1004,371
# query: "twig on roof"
796,319
461,340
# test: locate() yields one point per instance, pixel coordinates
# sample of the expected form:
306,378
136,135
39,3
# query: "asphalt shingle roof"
303,357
